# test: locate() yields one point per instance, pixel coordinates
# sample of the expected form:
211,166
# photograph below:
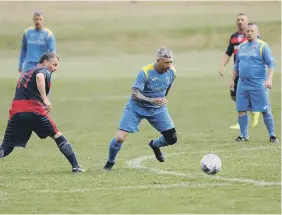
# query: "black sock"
5,150
66,148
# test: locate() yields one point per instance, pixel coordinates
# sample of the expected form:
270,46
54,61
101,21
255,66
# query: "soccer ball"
210,164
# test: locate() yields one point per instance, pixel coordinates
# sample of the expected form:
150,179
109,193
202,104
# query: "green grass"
101,47
37,179
121,27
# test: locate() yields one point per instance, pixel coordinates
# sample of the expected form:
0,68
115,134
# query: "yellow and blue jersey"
35,43
153,85
252,61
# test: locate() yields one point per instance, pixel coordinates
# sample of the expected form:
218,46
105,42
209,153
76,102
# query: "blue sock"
114,148
160,142
269,123
243,122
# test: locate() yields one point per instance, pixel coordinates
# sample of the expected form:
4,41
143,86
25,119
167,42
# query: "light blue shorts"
256,100
131,119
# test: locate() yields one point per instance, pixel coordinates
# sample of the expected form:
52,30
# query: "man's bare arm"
225,60
40,82
137,95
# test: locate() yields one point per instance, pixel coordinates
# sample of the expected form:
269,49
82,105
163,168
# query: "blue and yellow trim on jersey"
262,44
50,33
151,66
147,69
27,29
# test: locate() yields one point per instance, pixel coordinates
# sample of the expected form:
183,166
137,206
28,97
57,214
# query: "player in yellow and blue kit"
35,42
235,40
148,101
253,60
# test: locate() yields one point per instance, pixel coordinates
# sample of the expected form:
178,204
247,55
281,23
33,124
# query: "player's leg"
255,118
233,97
5,150
260,103
114,147
44,127
163,123
242,106
17,134
128,124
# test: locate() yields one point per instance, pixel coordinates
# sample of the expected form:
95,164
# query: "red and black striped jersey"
27,97
235,40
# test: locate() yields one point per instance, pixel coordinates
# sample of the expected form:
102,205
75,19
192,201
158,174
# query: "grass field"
102,46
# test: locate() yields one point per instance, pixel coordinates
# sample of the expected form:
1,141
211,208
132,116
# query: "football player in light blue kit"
255,64
148,101
36,41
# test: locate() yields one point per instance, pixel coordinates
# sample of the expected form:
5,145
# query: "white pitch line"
136,163
153,186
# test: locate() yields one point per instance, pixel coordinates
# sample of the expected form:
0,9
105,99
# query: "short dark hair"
251,23
48,56
241,14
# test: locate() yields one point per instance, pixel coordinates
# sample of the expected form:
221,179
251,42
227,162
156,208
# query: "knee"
242,113
170,136
57,135
120,138
267,113
173,139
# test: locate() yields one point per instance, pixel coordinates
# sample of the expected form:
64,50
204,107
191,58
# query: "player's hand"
20,71
231,86
268,84
160,101
221,71
48,105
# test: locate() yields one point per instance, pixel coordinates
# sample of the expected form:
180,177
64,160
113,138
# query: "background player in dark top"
29,111
235,40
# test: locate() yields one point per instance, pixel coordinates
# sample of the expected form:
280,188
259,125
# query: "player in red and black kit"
30,112
235,40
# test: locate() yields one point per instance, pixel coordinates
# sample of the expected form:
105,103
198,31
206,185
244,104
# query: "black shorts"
21,126
233,93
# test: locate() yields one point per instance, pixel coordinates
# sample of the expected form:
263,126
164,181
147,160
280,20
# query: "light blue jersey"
153,85
252,61
34,44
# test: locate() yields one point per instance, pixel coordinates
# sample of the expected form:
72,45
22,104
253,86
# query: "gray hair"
164,53
38,13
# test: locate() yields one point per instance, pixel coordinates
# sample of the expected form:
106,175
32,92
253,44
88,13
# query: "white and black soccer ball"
210,164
